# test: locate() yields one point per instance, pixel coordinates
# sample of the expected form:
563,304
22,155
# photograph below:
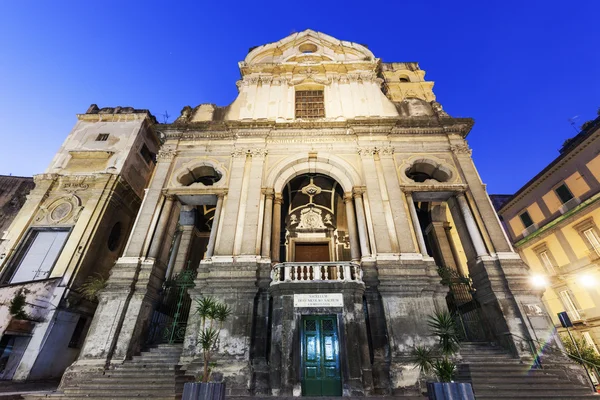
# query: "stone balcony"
316,272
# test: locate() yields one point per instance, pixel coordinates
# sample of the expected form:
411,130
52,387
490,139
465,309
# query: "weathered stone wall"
13,192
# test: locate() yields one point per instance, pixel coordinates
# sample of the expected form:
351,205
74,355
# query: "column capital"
221,195
358,191
348,197
170,196
278,198
268,192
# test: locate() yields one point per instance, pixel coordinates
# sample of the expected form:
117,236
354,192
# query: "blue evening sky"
521,69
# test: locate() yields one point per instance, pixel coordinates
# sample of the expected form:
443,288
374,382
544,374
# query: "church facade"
321,205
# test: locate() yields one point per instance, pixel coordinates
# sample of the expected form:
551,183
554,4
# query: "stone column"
268,221
351,220
416,224
183,250
361,222
276,233
471,226
161,227
215,226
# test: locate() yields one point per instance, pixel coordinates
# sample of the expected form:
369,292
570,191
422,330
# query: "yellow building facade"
554,224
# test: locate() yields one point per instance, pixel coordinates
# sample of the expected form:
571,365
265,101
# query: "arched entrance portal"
314,221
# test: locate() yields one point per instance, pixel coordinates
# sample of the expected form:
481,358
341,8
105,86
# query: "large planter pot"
450,391
20,327
204,391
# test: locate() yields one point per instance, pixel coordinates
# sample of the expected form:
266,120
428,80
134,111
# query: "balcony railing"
327,272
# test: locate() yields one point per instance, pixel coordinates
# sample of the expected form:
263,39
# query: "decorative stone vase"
450,391
204,391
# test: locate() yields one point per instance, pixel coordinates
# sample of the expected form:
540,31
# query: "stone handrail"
327,272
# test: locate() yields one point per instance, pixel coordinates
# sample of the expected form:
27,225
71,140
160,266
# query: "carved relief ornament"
461,149
166,155
385,151
256,152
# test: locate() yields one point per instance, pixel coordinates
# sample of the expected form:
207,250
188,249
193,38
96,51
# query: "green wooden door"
320,356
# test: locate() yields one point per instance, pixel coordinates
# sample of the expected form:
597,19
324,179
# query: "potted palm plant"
21,322
437,359
212,315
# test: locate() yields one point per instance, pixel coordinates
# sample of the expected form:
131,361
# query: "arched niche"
204,173
425,169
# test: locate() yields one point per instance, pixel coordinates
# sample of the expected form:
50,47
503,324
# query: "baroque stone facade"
320,206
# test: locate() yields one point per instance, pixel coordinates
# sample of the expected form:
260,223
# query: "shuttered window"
39,254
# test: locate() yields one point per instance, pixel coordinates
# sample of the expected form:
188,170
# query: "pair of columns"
470,223
357,227
163,222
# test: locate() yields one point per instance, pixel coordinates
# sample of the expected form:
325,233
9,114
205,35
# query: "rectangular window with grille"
570,306
591,236
310,104
590,341
102,137
547,262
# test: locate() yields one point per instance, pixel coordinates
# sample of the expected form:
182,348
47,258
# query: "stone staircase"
496,375
154,374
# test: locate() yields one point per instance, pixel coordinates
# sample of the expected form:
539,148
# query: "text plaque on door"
318,300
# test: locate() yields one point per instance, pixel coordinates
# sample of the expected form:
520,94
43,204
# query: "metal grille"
327,325
169,320
310,104
310,325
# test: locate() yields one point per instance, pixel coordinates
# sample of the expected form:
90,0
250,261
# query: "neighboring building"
554,223
73,225
318,205
13,191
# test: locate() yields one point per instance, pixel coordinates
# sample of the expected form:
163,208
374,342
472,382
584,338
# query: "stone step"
559,385
496,396
62,396
141,378
492,378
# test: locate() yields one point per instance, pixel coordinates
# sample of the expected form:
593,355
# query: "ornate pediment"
307,47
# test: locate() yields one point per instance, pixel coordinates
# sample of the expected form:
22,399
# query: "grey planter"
204,391
450,391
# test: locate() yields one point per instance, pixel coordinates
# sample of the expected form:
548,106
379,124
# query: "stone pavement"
10,390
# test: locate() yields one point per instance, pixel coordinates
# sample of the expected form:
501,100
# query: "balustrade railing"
327,272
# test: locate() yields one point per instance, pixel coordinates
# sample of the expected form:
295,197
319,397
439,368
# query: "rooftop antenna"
165,117
572,122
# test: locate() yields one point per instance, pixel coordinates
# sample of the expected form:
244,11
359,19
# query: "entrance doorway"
311,252
320,356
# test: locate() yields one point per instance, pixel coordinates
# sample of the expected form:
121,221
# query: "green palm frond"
221,312
443,326
422,357
444,369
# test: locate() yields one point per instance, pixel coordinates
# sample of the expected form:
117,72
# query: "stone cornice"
380,126
186,191
115,117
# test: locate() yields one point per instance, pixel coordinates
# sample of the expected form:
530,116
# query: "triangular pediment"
308,46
